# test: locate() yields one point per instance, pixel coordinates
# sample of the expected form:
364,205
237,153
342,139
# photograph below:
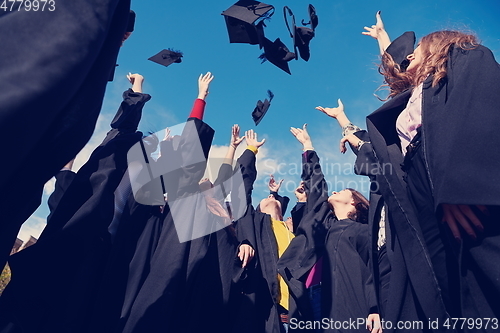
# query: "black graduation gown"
70,255
464,107
58,66
258,310
188,285
347,290
395,294
63,180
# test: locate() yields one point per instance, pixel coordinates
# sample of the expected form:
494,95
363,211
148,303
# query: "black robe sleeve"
63,180
460,129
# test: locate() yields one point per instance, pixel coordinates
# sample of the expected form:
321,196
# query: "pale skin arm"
204,84
233,144
136,80
378,32
303,137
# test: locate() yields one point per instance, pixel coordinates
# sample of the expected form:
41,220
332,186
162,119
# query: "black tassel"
270,94
263,58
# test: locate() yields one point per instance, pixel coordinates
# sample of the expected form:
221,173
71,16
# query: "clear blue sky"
343,64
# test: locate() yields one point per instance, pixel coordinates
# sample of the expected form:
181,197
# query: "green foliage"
4,278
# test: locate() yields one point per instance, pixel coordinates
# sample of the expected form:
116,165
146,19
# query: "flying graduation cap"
301,36
260,110
276,53
167,57
240,21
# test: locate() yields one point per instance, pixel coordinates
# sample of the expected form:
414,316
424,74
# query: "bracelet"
349,129
361,143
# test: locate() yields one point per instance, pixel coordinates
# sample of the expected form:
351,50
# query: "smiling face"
415,60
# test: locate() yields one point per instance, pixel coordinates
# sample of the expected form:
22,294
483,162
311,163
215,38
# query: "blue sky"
343,64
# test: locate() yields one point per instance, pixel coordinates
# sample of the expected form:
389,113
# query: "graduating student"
395,294
188,286
335,229
266,296
448,177
53,90
71,252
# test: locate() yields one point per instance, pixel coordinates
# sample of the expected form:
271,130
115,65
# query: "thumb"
341,105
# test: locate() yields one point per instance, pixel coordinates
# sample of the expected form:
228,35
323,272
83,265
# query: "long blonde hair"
435,48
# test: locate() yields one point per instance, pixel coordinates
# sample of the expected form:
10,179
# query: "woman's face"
343,197
415,59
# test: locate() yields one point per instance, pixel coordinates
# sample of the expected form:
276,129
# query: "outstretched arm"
199,104
378,32
233,144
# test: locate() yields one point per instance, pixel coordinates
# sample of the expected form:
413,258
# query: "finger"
342,145
341,105
460,217
472,217
450,221
320,108
483,209
281,181
262,142
369,324
304,128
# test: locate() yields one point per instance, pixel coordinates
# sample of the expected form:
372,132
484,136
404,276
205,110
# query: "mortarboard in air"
260,110
301,36
276,53
401,47
131,21
167,57
240,21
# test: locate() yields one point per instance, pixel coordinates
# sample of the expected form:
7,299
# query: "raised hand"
378,32
251,139
203,84
300,192
136,80
333,112
377,29
273,185
302,136
167,136
235,136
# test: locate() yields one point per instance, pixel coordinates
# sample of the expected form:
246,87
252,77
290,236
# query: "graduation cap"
276,53
131,21
167,57
301,36
401,47
240,21
260,110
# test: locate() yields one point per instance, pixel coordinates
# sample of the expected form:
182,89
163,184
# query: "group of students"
421,250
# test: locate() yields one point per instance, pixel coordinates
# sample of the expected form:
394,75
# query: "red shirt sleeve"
198,109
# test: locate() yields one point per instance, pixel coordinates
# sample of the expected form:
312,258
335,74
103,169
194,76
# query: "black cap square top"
240,21
166,57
